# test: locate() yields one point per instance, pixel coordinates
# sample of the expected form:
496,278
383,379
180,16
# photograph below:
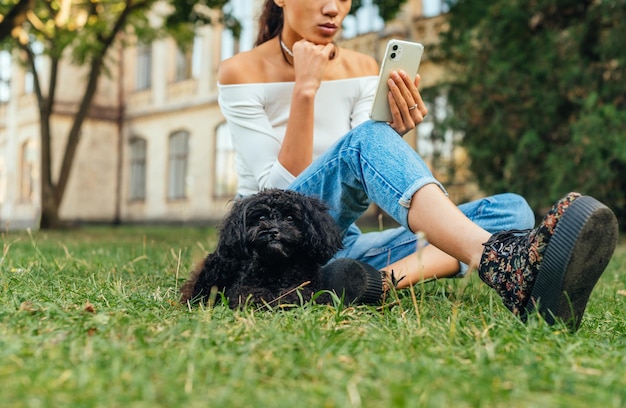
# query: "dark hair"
270,22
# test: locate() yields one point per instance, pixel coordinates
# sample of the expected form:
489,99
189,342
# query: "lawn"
90,318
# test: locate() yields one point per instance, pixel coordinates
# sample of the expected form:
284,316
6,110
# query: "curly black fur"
270,243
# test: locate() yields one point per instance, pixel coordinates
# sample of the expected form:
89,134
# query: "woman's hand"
405,102
310,61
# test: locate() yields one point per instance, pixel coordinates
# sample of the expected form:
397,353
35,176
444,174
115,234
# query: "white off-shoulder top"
257,117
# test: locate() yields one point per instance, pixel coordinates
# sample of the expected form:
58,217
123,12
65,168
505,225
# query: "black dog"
271,248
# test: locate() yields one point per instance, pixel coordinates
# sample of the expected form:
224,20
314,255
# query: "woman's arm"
254,138
309,64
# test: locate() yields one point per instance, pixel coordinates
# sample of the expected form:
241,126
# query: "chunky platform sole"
356,281
576,256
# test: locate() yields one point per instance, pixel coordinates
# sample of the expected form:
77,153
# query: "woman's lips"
328,29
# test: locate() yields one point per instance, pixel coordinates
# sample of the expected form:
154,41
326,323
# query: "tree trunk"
52,193
49,210
49,205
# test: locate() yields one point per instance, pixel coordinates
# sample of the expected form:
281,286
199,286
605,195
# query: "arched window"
188,60
137,180
143,74
225,172
178,158
243,11
5,76
3,178
28,171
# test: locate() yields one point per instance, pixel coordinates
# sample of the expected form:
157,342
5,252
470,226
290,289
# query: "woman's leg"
551,269
395,249
452,235
401,251
428,263
372,163
445,226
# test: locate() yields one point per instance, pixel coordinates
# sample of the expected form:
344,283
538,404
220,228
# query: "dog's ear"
321,231
233,234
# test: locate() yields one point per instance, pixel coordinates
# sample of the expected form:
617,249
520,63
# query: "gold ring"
413,107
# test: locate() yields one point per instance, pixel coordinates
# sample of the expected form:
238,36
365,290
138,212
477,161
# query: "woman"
297,107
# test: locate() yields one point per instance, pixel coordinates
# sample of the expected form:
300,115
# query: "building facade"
154,147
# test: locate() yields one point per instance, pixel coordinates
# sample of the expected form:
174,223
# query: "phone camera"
395,47
393,55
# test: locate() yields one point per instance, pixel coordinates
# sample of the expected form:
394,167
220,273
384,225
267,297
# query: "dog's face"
278,227
274,232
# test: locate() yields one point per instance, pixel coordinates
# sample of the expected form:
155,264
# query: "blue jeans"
372,163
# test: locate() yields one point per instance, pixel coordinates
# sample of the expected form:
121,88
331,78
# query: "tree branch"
15,17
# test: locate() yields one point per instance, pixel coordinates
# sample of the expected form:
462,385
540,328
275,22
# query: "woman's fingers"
411,93
417,96
405,102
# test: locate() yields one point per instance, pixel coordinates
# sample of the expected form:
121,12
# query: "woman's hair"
270,22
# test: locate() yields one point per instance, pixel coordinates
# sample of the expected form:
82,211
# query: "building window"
143,78
183,64
225,171
137,169
366,20
27,171
188,60
5,76
432,8
244,12
3,179
178,157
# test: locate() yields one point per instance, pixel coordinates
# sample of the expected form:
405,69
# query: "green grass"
89,318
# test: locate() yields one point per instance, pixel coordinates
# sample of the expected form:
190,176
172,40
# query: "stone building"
155,147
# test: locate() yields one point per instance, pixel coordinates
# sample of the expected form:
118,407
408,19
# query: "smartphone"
399,55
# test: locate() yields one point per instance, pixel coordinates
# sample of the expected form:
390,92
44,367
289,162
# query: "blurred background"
108,108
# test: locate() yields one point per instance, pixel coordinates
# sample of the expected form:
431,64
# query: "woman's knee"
370,131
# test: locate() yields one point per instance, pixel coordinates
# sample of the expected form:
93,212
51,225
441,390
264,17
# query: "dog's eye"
262,217
289,218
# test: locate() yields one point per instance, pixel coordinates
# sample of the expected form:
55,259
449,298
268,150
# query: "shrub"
538,90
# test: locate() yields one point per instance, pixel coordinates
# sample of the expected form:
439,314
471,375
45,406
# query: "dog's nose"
274,232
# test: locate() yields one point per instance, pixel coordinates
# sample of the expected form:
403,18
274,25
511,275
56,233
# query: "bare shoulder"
233,70
358,64
263,63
